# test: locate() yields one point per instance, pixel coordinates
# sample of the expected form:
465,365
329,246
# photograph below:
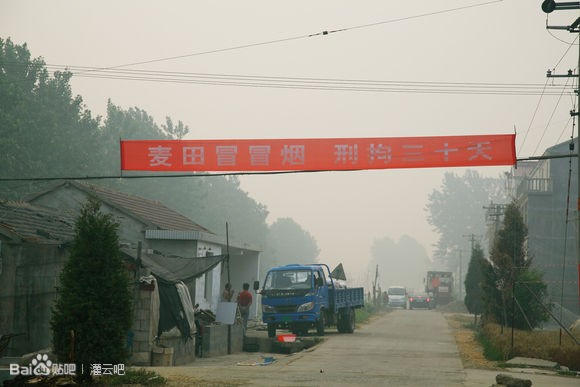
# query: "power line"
312,83
550,119
545,85
322,33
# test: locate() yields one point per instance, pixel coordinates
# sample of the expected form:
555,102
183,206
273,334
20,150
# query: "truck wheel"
340,323
349,321
271,330
320,324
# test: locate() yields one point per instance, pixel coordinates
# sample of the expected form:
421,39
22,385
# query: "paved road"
401,348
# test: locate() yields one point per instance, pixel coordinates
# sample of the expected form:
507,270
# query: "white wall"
212,279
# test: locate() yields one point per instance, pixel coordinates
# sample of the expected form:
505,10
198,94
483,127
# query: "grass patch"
534,344
361,315
489,350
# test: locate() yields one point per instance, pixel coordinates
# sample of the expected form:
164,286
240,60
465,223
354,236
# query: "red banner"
317,154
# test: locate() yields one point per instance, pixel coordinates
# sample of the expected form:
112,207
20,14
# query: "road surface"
400,348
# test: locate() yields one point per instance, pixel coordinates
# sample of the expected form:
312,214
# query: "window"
289,279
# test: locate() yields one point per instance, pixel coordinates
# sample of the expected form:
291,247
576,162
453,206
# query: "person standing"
228,293
244,303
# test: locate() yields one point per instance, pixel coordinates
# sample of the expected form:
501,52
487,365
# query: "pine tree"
92,312
511,273
473,282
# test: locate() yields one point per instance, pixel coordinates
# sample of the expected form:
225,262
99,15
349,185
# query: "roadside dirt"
470,350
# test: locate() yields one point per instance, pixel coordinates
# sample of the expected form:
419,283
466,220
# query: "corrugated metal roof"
150,211
173,235
35,224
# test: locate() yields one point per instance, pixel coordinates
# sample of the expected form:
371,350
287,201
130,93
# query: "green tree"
92,312
130,124
474,282
176,131
492,297
457,209
522,308
288,243
45,130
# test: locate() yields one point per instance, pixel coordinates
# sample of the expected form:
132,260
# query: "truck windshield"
288,279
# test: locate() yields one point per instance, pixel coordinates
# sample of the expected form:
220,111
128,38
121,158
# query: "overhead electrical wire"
311,83
570,44
322,33
317,34
115,72
564,130
542,94
534,115
550,119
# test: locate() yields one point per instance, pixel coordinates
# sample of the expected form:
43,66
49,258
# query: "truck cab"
295,297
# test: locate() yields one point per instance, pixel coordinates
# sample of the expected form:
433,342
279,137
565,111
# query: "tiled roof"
35,224
150,211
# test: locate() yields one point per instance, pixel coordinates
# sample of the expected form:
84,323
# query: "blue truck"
300,297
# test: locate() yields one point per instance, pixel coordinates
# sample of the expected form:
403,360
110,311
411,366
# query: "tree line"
48,132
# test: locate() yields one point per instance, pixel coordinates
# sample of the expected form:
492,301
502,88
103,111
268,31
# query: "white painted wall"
211,300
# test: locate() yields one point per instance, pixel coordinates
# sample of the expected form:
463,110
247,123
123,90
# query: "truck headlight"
306,307
268,309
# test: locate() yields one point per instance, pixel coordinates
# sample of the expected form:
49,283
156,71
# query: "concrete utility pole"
549,6
460,275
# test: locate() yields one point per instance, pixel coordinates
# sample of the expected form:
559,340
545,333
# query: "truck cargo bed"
349,297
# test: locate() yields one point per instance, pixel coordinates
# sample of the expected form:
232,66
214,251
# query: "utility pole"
549,6
472,238
460,275
493,214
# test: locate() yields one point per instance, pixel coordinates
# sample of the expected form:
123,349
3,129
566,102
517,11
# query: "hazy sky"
463,43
